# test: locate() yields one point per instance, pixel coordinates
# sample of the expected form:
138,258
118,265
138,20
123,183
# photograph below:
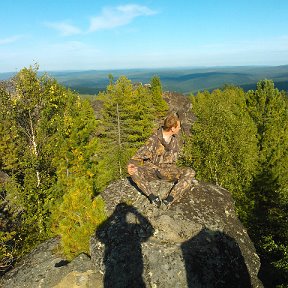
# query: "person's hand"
132,169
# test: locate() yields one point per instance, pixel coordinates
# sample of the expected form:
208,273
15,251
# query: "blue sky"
84,34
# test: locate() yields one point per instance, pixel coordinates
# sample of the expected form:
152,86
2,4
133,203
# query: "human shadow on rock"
122,234
213,259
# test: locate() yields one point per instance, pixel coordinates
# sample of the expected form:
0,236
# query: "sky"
119,34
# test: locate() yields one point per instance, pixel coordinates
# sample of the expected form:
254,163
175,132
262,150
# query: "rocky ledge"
197,242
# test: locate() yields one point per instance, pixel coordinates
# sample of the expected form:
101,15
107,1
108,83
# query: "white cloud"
109,18
118,16
11,39
64,28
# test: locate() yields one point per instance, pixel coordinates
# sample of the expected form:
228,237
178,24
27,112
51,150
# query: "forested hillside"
57,154
56,157
181,80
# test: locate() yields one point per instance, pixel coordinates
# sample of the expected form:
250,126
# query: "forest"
58,153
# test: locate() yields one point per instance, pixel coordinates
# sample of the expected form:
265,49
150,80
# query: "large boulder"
197,242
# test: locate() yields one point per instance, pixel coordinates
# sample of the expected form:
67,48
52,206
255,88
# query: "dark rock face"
198,242
213,257
182,105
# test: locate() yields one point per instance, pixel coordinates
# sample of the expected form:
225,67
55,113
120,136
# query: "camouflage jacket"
157,152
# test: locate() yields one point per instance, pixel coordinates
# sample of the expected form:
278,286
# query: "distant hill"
181,80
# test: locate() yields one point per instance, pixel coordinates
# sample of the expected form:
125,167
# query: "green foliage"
6,250
31,107
268,224
7,247
240,141
127,120
223,146
76,141
77,216
160,106
48,139
8,145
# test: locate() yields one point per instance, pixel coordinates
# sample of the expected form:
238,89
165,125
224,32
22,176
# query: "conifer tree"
127,121
268,223
76,215
160,106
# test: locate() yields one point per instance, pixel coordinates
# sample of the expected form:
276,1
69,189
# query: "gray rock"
197,242
182,105
44,268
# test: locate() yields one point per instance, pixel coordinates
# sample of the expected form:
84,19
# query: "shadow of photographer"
214,259
122,233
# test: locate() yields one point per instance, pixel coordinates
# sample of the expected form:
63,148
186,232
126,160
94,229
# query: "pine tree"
76,215
160,106
127,121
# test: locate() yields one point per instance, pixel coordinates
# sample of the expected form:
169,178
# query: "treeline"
56,156
240,142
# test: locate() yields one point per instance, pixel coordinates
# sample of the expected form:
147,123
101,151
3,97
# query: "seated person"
157,160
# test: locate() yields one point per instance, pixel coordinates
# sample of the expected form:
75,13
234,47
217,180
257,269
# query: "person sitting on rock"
157,160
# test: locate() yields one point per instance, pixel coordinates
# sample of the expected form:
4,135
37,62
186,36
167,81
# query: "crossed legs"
181,176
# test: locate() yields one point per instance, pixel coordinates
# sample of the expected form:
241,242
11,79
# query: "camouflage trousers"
181,176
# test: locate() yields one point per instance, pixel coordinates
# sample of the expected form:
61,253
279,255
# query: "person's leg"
141,178
181,176
184,182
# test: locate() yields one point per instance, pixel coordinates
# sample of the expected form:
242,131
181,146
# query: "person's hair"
170,121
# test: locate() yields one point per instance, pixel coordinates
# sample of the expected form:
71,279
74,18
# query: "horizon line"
147,68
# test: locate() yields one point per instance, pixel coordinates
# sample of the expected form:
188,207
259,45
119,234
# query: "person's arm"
144,154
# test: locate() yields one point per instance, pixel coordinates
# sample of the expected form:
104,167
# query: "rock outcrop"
197,242
182,105
45,268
